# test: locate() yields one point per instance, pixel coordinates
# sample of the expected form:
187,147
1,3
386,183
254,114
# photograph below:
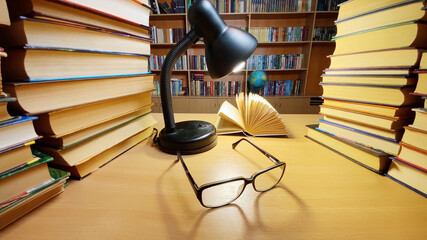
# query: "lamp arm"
165,90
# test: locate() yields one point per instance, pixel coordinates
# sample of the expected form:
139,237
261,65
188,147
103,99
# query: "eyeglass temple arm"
271,157
190,178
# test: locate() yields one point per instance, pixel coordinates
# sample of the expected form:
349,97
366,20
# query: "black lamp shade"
226,47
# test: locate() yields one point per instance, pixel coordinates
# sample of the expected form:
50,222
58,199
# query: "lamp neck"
165,89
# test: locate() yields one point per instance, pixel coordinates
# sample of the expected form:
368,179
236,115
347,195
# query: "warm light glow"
239,67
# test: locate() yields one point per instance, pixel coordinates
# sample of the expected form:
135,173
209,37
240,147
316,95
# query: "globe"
257,79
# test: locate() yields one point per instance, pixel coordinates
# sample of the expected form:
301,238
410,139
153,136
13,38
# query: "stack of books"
367,87
81,68
410,167
25,179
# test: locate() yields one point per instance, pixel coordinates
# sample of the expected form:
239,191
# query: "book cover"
384,38
372,159
57,33
35,63
412,177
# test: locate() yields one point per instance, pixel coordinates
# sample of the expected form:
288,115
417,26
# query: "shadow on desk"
239,220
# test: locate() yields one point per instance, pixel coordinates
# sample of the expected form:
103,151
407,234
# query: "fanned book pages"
253,116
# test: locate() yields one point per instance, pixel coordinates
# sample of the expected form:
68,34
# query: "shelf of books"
374,90
294,38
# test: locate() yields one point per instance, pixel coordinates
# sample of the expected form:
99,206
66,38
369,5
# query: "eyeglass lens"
268,179
224,193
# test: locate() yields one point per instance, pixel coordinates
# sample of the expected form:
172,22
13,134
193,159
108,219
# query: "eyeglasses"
223,192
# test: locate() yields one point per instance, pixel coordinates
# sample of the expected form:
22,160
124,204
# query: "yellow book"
398,57
407,34
408,11
372,159
353,8
409,176
253,116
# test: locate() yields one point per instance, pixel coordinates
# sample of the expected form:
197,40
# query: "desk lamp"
226,49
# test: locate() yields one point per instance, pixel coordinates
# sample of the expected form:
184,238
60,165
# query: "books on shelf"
51,33
175,86
200,87
228,6
156,62
328,5
324,33
280,34
372,159
166,35
390,58
281,88
253,116
283,61
33,198
39,97
280,6
197,62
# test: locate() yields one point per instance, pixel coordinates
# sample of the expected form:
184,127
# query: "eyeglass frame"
198,190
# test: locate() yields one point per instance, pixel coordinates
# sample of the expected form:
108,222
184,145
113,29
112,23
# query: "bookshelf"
261,24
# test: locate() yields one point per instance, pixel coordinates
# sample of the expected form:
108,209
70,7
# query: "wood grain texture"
144,194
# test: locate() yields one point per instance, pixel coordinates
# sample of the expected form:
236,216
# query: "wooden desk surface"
144,194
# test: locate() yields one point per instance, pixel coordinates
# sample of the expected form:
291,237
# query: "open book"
253,116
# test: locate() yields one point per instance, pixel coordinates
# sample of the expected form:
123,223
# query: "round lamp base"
189,137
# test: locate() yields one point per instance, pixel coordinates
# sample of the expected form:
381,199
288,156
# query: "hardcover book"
57,33
253,116
384,95
388,145
42,97
33,198
33,63
81,16
404,12
372,159
408,175
384,38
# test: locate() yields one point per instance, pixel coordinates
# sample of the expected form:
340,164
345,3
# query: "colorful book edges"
20,205
409,175
372,159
